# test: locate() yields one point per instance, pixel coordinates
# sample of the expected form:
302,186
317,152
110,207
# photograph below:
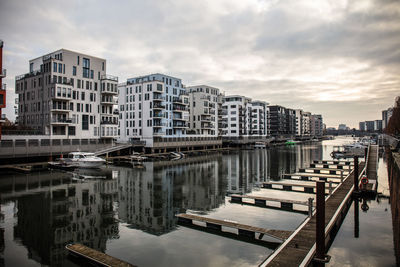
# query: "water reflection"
53,209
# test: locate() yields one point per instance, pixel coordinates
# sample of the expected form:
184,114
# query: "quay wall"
393,163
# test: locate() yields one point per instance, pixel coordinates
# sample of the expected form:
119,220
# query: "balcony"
109,77
108,101
180,125
62,120
179,100
158,124
158,115
178,108
178,118
110,91
205,118
3,73
158,106
60,108
157,132
62,82
113,121
3,87
157,97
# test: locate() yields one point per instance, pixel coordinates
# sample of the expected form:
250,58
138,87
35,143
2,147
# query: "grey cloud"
285,53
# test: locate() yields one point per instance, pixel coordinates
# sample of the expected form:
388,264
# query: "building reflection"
54,212
150,197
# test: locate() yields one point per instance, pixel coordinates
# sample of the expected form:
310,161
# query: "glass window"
74,70
86,67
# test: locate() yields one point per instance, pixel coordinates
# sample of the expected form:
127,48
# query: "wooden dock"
307,188
372,170
298,249
96,256
243,229
285,204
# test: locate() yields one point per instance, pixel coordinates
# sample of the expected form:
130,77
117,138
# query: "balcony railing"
109,101
63,81
3,87
27,75
62,120
179,108
109,77
109,122
158,106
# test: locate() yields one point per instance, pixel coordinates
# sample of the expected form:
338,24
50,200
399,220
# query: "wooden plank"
96,256
297,248
271,199
279,234
296,184
311,174
327,169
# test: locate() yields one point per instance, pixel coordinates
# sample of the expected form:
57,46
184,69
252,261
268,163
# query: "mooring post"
355,173
310,206
341,176
365,154
330,188
320,226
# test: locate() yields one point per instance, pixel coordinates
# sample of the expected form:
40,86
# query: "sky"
337,58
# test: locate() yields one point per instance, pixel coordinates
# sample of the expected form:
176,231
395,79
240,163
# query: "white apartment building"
203,110
299,122
154,105
67,94
243,117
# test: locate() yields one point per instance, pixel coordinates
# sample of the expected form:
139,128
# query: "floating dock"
95,256
243,229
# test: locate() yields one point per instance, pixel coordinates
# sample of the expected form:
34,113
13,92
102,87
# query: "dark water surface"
130,215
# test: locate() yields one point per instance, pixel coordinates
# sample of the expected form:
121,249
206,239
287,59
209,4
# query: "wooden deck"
307,188
243,229
312,174
96,256
296,250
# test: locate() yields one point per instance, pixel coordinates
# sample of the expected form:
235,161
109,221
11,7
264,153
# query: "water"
373,245
130,215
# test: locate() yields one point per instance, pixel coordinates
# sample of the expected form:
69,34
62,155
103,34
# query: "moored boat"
83,160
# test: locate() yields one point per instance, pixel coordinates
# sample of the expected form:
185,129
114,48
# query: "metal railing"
109,77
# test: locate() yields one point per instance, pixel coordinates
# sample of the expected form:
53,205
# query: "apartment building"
386,115
243,117
259,118
68,94
316,125
235,116
290,128
306,123
154,105
2,86
203,110
278,117
299,122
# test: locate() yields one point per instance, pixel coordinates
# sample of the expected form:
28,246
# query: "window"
85,122
83,96
78,61
86,67
91,74
54,67
74,70
60,68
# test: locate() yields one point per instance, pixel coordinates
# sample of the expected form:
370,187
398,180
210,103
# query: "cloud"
304,54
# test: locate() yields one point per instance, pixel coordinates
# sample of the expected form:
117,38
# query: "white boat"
260,145
83,160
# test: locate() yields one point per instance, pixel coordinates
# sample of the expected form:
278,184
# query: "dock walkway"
243,229
96,256
299,248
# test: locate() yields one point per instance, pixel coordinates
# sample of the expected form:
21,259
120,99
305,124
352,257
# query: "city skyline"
339,61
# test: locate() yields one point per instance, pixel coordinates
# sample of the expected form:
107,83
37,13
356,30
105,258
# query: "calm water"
130,215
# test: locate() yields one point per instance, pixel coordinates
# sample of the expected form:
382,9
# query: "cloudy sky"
337,58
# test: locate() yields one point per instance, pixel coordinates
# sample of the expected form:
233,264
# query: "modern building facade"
386,115
243,117
3,92
203,109
154,105
317,125
362,126
278,117
68,94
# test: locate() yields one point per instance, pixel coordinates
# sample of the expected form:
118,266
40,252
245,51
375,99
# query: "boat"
260,145
137,157
291,142
83,160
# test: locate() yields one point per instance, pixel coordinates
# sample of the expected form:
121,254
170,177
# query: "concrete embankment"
393,163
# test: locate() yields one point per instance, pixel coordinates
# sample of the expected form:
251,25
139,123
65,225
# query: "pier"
243,229
95,256
300,248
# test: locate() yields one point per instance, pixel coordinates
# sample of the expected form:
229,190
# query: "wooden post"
341,176
355,173
310,206
320,222
330,188
365,154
